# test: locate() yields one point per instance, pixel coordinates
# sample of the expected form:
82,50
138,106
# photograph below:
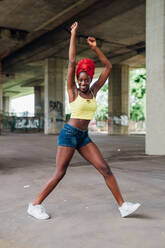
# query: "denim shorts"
73,137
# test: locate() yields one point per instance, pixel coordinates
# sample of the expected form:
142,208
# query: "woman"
74,135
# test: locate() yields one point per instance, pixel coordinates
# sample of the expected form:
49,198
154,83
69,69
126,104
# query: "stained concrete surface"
83,211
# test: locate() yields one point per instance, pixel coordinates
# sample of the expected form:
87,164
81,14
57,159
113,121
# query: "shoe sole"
125,215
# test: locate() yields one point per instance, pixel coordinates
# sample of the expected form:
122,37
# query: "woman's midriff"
79,123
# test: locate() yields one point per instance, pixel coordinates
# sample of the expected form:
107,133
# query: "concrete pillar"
119,100
155,64
6,104
54,95
0,97
39,100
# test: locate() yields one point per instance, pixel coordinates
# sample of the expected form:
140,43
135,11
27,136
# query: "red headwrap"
86,65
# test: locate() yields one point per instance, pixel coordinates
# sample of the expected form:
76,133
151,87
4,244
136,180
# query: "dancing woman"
74,135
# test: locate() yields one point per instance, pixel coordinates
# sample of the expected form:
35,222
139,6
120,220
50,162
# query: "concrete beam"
118,58
66,14
12,34
54,22
29,52
11,92
121,57
103,11
52,39
33,82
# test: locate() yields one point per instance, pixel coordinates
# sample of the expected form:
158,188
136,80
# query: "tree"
102,113
138,91
102,104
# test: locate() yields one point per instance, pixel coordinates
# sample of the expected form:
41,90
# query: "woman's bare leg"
92,154
63,157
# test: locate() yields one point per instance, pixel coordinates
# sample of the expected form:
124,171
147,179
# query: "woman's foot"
128,208
37,211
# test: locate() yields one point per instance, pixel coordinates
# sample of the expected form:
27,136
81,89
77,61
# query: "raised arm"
71,85
106,63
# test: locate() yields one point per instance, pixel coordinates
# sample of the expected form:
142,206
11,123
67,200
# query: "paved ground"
84,213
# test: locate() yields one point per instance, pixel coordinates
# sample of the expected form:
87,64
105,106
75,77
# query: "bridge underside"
43,32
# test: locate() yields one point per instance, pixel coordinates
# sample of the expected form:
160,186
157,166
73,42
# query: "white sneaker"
128,208
37,211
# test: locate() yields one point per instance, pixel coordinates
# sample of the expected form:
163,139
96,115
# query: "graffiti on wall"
56,106
121,120
26,123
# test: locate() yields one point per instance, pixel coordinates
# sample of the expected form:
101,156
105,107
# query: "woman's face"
84,81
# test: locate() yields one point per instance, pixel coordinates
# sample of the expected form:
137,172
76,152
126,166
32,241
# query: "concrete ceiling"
31,31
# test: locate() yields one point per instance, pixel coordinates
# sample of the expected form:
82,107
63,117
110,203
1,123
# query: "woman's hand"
74,27
92,42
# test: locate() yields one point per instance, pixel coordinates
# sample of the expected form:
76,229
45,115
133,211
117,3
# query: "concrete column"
155,64
118,99
0,97
39,99
6,104
54,95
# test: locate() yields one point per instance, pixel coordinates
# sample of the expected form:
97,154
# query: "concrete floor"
84,212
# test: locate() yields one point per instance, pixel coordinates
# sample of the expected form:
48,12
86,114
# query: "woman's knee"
59,174
105,170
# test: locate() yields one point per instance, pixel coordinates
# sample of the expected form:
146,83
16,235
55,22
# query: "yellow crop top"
82,108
